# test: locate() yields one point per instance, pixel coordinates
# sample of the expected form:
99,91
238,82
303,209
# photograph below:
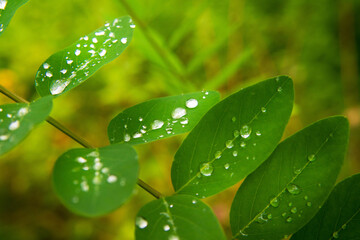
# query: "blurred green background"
178,47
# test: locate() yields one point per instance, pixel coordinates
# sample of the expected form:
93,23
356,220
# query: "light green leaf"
70,67
339,217
177,217
160,118
18,119
7,11
285,192
233,138
93,182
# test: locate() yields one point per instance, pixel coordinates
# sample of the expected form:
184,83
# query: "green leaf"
285,192
160,118
7,11
93,182
177,217
233,138
70,67
18,119
339,217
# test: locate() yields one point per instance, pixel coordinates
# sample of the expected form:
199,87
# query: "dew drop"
293,189
84,186
194,201
105,170
127,137
98,166
23,111
284,214
132,25
306,197
336,235
46,66
217,154
4,137
308,204
63,71
343,226
102,52
311,158
14,125
185,121
233,119
245,131
279,89
242,144
269,216
123,40
289,219
69,61
137,135
297,171
263,109
81,160
226,166
174,237
178,113
258,133
77,52
206,169
260,219
236,133
229,144
48,74
97,180
157,124
111,179
275,202
235,153
58,86
294,210
141,223
192,103
3,4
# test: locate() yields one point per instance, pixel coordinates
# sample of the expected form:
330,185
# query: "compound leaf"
233,138
177,217
70,67
18,119
286,191
339,217
93,182
7,11
160,118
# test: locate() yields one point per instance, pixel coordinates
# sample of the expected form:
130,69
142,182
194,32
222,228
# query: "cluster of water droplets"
81,60
178,116
12,120
101,174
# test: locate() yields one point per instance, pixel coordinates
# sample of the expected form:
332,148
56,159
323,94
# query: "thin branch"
75,137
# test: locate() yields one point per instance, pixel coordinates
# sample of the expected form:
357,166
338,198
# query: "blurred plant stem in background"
178,47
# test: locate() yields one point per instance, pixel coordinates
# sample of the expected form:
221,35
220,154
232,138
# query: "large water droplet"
127,137
226,166
157,124
14,125
206,169
229,144
311,158
178,113
111,179
245,131
297,171
58,86
191,103
166,228
23,111
275,202
293,189
217,154
141,223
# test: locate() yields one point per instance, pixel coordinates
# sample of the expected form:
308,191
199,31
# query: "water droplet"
166,228
77,52
14,125
123,40
236,133
343,226
229,144
289,219
23,111
174,237
206,169
306,197
141,223
178,113
137,135
293,189
258,133
46,66
98,166
84,186
157,124
127,137
81,160
185,121
226,166
242,144
269,216
290,204
245,131
3,4
284,214
297,171
279,89
63,71
171,205
275,202
263,109
97,180
233,119
48,74
111,179
260,219
336,235
217,154
191,103
294,210
4,137
105,170
194,201
132,25
308,204
235,153
102,53
311,158
58,86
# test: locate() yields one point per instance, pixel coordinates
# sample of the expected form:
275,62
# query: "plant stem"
75,137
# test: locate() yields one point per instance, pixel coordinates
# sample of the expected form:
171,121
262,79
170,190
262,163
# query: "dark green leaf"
160,118
7,11
285,192
70,67
94,182
339,217
18,119
177,217
233,138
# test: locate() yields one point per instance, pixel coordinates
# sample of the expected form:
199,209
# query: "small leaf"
160,118
93,182
70,67
18,119
285,192
7,11
177,217
233,138
339,217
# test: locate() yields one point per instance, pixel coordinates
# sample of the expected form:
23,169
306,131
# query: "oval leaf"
7,11
339,216
233,138
18,119
285,192
94,182
160,118
70,67
177,217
